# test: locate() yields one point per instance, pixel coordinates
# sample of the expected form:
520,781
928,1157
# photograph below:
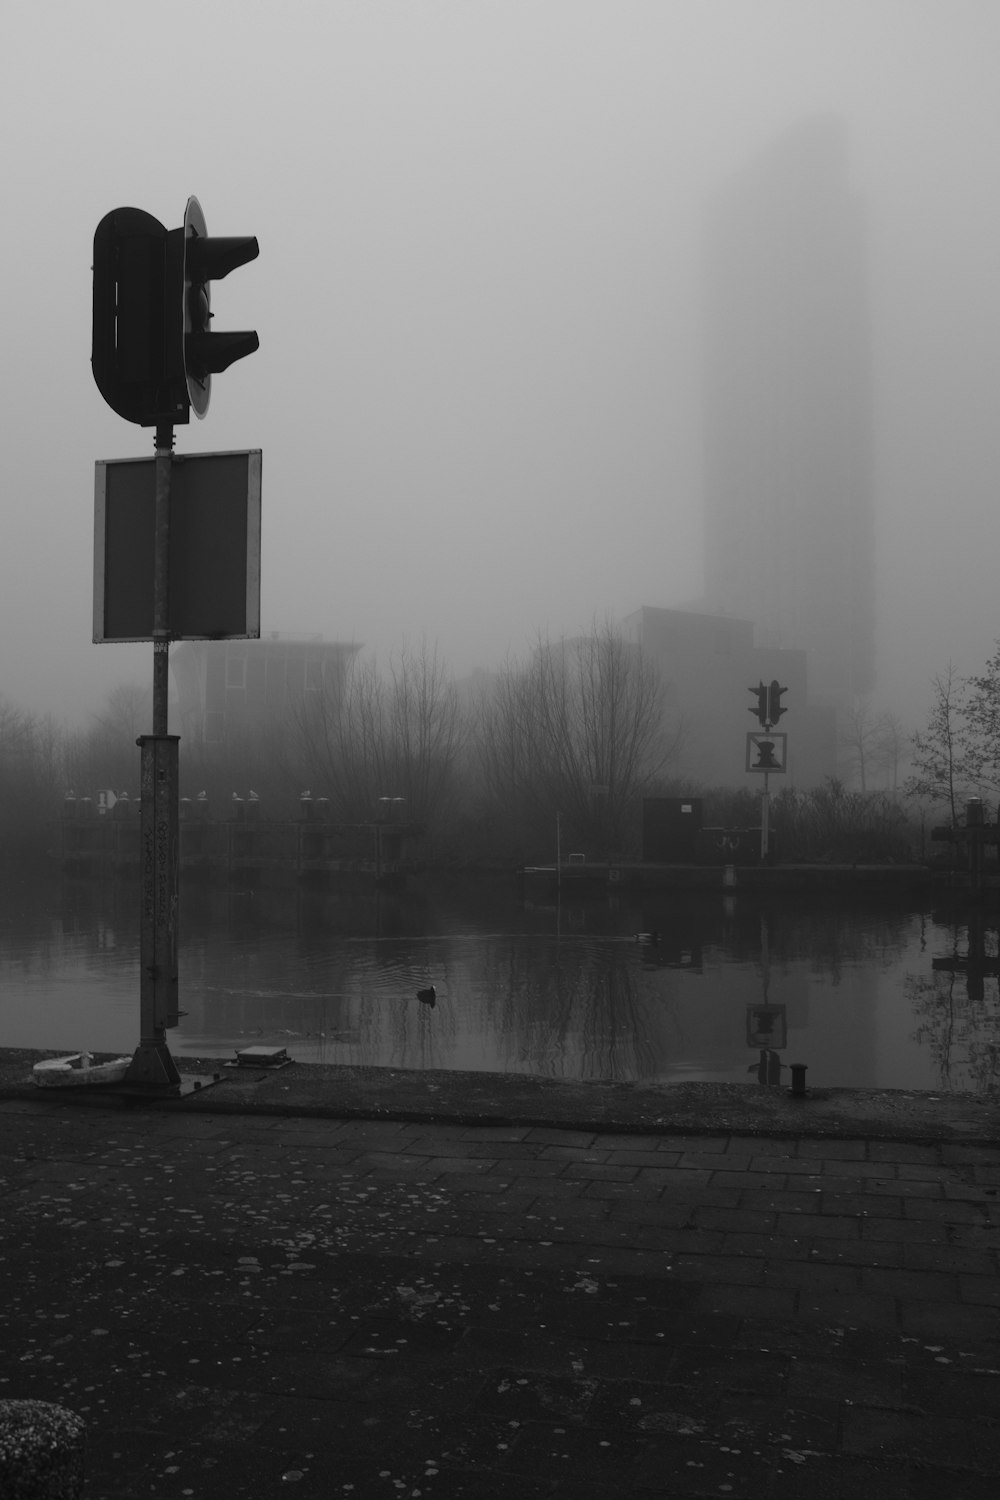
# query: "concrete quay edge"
335,1091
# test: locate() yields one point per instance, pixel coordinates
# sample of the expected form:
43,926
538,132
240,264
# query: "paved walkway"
246,1305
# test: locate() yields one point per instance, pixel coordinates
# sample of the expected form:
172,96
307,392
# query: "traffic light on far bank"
153,351
759,705
774,708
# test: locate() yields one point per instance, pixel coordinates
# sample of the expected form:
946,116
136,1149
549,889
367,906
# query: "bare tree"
941,769
890,750
397,733
859,731
980,738
105,753
577,730
31,780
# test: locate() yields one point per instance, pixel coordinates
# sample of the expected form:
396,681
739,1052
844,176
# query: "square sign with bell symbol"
766,751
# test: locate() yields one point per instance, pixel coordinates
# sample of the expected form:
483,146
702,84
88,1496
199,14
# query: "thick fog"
480,302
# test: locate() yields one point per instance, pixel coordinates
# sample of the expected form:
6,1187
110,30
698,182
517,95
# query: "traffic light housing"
774,708
153,352
128,350
202,261
759,707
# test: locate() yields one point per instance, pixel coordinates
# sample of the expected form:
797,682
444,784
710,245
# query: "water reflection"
957,1005
866,995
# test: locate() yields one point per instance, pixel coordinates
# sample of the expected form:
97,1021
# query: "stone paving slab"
242,1301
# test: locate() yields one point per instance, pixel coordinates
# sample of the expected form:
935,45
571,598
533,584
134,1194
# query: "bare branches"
575,730
399,733
940,754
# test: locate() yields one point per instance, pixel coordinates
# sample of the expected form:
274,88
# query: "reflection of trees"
957,1010
827,937
961,1033
581,1015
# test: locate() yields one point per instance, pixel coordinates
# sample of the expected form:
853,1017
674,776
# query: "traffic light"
202,261
774,708
127,354
153,351
759,706
766,759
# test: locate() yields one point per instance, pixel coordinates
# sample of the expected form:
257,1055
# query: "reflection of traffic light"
774,708
765,757
759,705
195,261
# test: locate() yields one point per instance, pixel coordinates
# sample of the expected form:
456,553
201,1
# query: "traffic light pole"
765,807
152,1065
153,357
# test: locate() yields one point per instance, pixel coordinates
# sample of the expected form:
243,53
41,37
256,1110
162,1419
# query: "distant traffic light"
766,759
759,705
204,260
774,708
154,353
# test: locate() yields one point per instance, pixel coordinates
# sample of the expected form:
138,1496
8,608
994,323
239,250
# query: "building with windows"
788,490
224,687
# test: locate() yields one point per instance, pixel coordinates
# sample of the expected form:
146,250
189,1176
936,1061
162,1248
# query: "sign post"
176,557
153,357
766,753
152,1064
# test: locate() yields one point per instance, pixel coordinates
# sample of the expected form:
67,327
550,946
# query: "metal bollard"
798,1089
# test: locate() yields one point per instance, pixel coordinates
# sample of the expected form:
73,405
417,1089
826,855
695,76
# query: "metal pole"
161,577
764,809
152,1064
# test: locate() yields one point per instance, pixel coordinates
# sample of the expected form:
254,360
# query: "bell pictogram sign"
766,751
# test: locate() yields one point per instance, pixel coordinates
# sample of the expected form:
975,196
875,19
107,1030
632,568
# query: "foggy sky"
479,302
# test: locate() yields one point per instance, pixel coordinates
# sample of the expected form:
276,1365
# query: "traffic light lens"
200,309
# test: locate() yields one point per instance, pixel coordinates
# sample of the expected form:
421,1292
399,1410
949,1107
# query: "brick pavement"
244,1305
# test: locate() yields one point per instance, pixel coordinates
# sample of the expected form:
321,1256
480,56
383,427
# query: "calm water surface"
871,995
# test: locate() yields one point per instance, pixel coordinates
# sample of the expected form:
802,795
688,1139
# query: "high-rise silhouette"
789,536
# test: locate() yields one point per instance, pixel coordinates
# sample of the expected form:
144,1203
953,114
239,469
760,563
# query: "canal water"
665,988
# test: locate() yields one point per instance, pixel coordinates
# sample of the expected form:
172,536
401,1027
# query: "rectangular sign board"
214,547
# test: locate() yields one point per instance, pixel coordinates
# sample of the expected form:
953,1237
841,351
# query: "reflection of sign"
766,752
214,548
767,1026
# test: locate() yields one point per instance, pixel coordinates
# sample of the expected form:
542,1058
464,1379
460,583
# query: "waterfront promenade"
327,1282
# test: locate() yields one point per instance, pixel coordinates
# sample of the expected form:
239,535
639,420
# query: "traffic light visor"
207,260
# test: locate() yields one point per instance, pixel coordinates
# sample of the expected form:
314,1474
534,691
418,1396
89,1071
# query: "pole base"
152,1067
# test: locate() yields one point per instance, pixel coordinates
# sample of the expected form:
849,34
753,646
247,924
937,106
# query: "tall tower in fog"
789,535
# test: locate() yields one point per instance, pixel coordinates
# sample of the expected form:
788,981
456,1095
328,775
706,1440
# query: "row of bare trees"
571,737
574,730
957,755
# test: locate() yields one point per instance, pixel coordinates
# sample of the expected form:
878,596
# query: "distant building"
708,665
789,531
231,686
